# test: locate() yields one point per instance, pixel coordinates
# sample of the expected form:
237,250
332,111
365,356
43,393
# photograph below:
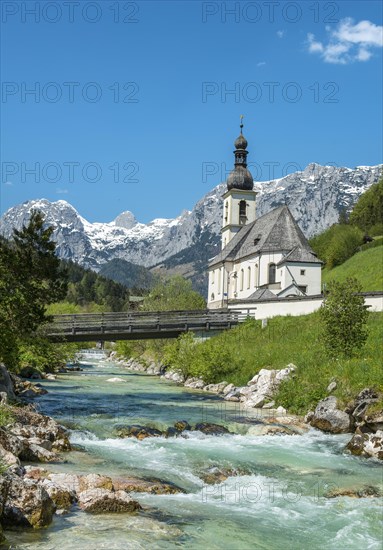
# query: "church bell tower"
239,199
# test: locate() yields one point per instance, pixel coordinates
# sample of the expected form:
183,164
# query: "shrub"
344,317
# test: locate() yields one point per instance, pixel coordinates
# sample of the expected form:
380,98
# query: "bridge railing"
125,322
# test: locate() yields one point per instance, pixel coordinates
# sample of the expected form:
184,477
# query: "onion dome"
240,177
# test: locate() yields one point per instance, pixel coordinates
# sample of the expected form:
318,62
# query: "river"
277,502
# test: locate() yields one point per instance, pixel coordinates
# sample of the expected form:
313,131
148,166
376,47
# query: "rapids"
277,502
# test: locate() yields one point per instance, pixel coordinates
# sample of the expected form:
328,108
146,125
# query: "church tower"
239,199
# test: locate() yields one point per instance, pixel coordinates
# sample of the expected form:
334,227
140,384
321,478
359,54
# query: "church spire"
240,177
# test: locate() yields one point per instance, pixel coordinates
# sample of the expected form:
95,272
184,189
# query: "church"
261,258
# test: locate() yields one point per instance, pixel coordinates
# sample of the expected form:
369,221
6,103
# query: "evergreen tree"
30,279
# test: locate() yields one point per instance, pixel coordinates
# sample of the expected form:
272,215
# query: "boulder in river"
135,430
182,425
103,501
154,486
366,444
218,474
211,429
63,498
367,491
27,504
328,418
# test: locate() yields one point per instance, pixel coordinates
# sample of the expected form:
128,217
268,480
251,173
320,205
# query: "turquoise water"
278,502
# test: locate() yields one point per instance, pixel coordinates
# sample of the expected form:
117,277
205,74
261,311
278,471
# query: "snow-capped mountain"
315,197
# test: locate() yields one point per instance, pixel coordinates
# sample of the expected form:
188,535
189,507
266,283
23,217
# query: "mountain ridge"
315,196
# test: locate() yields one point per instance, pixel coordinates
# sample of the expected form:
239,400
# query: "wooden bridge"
86,327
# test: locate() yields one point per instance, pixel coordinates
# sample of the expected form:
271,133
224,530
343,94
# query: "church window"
271,274
212,276
219,280
303,272
242,212
248,277
302,288
226,211
212,297
256,275
242,279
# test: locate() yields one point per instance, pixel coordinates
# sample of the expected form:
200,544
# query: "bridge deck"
136,325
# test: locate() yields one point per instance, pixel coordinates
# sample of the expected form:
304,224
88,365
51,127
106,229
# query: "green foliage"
368,211
181,353
6,415
344,318
30,279
43,355
338,243
175,293
87,287
365,266
125,349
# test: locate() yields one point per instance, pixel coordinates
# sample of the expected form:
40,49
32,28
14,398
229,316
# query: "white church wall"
304,274
295,306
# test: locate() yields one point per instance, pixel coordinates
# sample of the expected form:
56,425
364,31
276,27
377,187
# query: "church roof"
262,294
299,254
275,231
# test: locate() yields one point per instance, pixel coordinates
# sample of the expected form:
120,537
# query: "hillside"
366,266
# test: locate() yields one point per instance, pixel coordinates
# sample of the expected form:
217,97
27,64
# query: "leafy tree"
337,243
368,210
175,293
344,317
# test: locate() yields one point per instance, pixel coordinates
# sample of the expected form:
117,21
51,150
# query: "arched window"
242,212
242,279
212,297
256,275
226,211
272,268
213,277
219,280
248,277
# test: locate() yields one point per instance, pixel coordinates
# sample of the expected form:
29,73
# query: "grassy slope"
297,340
367,266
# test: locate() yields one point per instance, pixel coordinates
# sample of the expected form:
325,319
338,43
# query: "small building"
262,258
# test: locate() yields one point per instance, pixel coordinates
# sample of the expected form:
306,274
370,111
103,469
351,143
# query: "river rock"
363,492
103,501
71,482
27,505
366,444
63,498
211,429
196,383
328,418
37,453
6,383
8,459
218,474
154,486
182,425
94,481
140,432
216,388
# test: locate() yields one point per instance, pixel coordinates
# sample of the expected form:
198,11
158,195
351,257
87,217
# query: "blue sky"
136,104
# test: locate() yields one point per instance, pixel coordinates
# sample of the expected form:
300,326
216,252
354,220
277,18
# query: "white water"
278,501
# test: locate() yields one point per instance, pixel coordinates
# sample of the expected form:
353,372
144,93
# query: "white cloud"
281,34
261,63
348,42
